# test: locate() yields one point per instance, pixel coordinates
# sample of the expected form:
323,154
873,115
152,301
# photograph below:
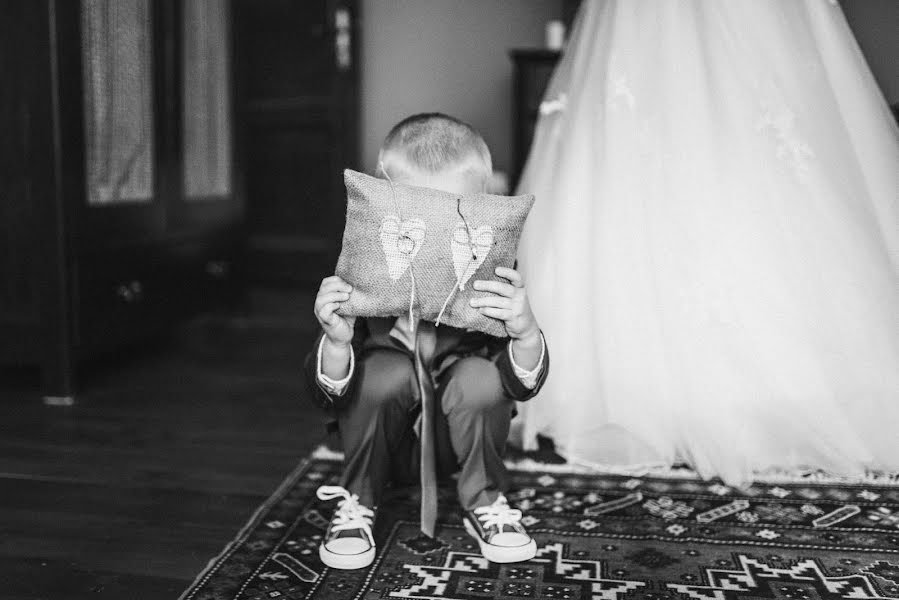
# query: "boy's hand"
510,305
333,292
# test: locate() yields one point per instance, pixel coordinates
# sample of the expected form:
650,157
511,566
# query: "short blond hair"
434,142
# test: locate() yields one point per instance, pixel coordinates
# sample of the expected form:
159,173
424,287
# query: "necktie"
425,342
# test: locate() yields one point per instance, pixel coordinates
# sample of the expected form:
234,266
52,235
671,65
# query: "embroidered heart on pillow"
405,243
470,249
401,241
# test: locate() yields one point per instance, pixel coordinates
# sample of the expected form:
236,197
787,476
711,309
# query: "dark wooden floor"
167,452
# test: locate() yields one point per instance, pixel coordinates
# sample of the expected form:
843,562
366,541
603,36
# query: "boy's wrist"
336,359
530,340
338,346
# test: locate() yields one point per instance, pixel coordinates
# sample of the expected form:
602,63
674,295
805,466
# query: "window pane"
118,109
207,99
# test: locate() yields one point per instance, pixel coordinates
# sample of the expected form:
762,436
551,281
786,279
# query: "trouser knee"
386,381
473,386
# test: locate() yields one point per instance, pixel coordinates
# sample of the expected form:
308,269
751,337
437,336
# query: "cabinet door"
111,105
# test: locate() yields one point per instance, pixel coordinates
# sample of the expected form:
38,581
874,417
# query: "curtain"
207,106
118,110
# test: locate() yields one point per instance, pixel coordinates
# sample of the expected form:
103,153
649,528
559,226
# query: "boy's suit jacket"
451,345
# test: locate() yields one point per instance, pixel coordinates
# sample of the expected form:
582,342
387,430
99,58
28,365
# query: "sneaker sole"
502,554
346,561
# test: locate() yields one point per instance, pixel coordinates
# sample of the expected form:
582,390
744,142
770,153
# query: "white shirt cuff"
529,378
334,386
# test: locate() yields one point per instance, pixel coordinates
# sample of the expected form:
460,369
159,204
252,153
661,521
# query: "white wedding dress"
714,251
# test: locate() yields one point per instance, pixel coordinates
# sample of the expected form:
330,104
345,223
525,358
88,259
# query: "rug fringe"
771,476
579,468
575,467
800,476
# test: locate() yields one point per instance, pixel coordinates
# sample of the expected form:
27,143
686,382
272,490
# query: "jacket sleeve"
511,383
319,394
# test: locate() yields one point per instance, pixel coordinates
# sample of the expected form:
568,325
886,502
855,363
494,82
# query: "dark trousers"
472,423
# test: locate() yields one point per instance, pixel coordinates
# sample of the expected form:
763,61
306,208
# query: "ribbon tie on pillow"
406,244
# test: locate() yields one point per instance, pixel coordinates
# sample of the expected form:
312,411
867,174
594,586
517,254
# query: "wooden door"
297,114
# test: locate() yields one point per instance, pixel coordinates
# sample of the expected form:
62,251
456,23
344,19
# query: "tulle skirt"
714,251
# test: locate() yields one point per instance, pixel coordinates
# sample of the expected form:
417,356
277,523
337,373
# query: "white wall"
876,27
450,56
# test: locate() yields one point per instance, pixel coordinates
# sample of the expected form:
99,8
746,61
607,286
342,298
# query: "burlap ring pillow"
405,244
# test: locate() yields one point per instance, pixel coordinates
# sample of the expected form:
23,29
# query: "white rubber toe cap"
347,553
525,547
510,539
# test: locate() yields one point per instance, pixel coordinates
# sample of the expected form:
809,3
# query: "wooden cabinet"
533,70
120,202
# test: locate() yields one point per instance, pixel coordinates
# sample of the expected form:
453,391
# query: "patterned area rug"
603,537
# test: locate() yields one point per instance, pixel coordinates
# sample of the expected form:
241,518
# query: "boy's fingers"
512,275
320,313
492,301
497,287
328,307
326,298
335,285
327,313
335,282
330,280
335,296
502,314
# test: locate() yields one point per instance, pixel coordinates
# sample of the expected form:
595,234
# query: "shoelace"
349,514
499,514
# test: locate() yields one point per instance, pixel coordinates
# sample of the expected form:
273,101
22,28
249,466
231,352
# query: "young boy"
364,370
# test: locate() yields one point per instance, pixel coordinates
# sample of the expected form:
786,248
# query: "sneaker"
498,529
348,541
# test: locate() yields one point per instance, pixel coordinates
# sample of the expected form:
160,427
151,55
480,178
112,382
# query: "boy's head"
437,151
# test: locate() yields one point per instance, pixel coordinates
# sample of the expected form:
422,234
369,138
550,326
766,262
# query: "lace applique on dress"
621,93
621,98
780,123
557,104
